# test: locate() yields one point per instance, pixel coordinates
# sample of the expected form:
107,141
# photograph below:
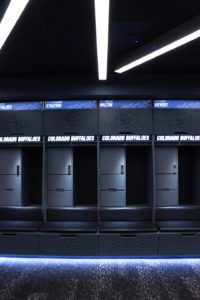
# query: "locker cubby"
126,176
177,175
85,176
20,176
72,176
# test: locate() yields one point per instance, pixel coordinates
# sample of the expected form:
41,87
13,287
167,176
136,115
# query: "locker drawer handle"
69,171
8,190
60,190
174,169
122,169
18,169
112,190
165,189
188,234
67,235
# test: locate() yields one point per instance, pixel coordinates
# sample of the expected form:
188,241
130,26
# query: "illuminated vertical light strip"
102,25
180,42
10,18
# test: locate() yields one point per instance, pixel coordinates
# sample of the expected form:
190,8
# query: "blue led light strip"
100,261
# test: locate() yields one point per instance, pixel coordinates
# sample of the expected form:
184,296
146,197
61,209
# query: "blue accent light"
126,104
177,104
9,106
70,104
99,261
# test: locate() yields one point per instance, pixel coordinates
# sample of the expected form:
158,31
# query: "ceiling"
58,38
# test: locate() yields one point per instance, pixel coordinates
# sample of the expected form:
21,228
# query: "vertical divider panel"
44,172
153,168
98,169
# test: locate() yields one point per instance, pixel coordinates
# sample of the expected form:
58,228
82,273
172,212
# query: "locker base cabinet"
69,244
19,243
179,244
141,244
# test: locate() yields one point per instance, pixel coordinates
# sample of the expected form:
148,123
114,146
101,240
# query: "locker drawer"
60,161
167,198
167,181
10,161
128,245
108,198
60,198
69,244
112,182
179,244
10,198
112,160
166,160
64,182
19,243
10,182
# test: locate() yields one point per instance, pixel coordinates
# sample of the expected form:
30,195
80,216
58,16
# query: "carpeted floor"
103,279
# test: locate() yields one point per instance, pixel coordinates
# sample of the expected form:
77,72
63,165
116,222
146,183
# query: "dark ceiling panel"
58,37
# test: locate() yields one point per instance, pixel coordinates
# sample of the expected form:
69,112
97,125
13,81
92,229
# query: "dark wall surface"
152,86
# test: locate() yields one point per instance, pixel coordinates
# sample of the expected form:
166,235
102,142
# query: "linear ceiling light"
10,18
102,24
186,39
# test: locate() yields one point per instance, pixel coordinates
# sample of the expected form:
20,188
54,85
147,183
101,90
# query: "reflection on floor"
99,279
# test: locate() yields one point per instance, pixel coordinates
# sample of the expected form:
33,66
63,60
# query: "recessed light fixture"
102,25
180,42
12,14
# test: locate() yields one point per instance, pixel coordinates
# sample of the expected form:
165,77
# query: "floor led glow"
99,261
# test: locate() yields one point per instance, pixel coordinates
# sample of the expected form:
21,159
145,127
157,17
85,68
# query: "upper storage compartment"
125,116
70,117
21,118
177,116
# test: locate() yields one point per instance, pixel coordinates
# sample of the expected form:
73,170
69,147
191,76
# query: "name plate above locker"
126,138
183,138
71,139
20,139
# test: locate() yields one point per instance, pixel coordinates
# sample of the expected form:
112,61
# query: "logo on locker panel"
126,120
17,122
180,121
70,121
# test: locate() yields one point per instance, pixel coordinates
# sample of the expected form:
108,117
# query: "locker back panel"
116,121
21,122
62,122
170,121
